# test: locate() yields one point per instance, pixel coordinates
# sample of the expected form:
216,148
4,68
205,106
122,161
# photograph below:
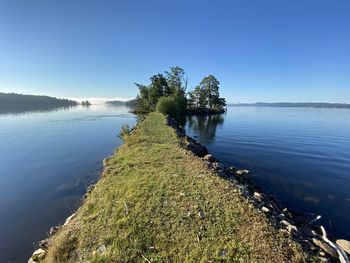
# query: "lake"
47,160
300,155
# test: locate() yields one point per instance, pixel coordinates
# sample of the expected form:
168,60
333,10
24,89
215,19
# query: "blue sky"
263,50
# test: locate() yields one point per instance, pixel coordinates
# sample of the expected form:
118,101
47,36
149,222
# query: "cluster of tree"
206,95
86,103
167,94
17,103
171,84
19,99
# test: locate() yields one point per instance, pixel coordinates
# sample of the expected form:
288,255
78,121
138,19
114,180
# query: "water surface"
47,159
301,155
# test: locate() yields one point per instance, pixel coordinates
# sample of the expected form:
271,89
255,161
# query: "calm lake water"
300,155
47,159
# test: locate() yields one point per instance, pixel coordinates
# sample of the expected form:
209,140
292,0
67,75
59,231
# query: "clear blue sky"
263,50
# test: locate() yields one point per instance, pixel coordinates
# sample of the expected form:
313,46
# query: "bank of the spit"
302,229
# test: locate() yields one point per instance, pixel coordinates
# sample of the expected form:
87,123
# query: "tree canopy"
173,84
206,94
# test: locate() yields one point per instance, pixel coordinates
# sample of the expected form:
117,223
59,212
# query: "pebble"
209,158
223,252
289,226
257,196
217,165
53,230
265,209
201,214
101,249
241,172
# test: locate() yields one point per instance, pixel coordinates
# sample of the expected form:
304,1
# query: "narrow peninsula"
158,202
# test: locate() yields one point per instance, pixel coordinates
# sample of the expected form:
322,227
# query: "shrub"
168,106
124,132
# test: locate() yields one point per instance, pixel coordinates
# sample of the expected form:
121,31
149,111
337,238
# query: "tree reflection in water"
205,126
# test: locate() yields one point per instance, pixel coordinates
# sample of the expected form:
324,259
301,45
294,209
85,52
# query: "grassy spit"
156,202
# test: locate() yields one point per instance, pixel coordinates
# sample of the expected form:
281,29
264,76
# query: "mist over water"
300,155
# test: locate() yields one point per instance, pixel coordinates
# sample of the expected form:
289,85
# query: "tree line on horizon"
14,99
167,93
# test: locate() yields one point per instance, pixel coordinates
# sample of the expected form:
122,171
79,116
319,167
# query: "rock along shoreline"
302,228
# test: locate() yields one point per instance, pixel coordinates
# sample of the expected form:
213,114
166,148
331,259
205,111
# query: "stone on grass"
201,214
102,249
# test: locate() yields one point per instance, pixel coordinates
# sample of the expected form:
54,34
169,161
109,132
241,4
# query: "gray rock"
242,172
201,214
44,244
222,253
265,209
209,158
243,190
344,244
217,165
289,226
101,249
53,230
281,216
257,196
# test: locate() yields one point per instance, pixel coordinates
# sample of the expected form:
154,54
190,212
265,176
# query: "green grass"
146,208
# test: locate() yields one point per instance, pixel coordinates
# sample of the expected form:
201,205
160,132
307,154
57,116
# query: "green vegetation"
206,94
86,103
205,98
12,102
156,202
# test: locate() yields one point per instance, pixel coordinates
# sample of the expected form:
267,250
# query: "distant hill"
12,102
129,103
295,105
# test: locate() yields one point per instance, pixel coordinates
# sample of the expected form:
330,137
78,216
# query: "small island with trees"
167,93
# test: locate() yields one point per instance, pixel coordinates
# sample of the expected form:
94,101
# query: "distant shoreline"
295,105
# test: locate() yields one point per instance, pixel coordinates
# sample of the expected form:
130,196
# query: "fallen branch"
343,258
